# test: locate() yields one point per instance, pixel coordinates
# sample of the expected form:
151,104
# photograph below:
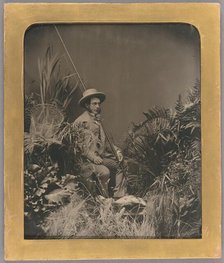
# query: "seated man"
95,153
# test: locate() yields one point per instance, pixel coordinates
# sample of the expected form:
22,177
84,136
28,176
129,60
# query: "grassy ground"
89,219
165,216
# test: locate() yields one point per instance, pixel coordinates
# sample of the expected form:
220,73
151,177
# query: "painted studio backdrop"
150,74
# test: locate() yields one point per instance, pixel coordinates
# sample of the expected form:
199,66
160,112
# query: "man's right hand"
98,160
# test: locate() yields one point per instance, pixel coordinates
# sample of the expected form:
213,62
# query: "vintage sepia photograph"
112,131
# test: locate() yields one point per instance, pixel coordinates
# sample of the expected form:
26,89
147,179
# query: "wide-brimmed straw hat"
91,93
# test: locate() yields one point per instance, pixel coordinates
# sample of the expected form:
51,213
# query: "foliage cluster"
46,157
168,151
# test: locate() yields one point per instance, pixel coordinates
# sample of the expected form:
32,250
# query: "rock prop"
58,196
133,205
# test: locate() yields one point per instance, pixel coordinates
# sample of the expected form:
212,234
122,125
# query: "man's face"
94,105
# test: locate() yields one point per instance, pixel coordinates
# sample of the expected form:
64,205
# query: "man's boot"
120,189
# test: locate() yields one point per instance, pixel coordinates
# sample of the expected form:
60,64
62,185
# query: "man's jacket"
95,139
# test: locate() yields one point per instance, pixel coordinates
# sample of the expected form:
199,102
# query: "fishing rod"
84,87
120,162
68,54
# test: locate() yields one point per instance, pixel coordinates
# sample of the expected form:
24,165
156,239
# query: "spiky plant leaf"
179,107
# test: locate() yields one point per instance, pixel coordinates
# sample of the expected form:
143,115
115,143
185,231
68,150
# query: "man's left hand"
120,156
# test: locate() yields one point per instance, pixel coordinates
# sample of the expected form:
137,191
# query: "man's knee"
103,172
110,164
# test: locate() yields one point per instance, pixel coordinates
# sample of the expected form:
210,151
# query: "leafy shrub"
47,183
167,148
44,192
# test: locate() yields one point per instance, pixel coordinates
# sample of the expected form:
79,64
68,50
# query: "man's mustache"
96,110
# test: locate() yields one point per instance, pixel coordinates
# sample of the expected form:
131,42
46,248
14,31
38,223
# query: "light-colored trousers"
110,174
